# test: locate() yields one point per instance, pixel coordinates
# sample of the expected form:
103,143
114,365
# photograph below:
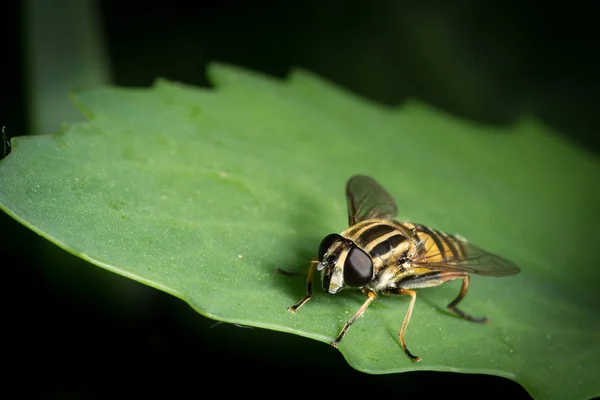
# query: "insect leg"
370,297
413,296
288,273
461,295
309,280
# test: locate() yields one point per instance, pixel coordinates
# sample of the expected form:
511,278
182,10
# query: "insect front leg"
461,295
370,297
413,296
309,280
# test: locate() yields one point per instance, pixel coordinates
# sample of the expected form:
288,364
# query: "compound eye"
358,268
326,244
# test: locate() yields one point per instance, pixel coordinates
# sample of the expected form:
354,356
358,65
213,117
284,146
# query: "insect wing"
476,261
367,199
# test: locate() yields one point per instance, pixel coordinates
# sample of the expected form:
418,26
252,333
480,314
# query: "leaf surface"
203,193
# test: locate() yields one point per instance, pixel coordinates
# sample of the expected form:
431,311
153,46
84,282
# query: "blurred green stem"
64,48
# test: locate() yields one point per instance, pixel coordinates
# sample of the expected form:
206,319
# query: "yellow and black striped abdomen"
436,246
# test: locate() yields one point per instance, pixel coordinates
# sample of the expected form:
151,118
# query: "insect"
381,255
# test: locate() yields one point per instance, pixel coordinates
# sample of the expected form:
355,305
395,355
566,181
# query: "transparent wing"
367,199
476,261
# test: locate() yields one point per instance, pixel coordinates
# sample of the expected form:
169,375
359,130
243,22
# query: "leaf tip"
224,74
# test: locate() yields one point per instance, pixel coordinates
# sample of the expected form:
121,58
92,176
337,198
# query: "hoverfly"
381,255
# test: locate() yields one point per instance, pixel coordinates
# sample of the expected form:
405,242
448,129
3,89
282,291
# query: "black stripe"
449,243
417,278
387,245
373,233
357,227
435,238
461,247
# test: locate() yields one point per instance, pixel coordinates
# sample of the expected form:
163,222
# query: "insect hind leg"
453,305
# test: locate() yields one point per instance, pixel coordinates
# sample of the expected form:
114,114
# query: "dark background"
77,330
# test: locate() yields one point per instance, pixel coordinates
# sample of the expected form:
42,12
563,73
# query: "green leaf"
203,193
